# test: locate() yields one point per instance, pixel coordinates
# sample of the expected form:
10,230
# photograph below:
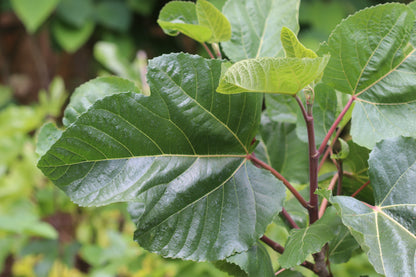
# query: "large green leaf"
33,13
272,75
256,26
309,240
371,58
209,16
281,108
182,152
181,17
281,149
388,229
252,263
87,94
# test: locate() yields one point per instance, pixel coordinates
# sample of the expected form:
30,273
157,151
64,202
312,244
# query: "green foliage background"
41,232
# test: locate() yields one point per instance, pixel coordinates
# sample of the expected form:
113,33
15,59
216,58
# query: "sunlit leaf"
271,75
292,47
181,17
209,16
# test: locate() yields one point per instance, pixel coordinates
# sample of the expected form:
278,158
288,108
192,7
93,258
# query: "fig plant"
221,151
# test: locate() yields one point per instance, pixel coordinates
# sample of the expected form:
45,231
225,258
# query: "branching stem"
264,165
361,188
289,219
335,124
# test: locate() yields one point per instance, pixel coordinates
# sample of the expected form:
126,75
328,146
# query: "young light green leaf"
182,150
181,17
251,263
309,240
87,94
209,16
292,47
256,26
33,13
271,75
387,230
281,148
372,59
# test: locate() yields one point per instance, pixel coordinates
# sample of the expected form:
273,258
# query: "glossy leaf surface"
181,17
182,152
209,16
256,26
309,240
371,58
387,230
271,75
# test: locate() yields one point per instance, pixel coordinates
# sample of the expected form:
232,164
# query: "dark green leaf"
87,94
372,59
114,15
387,230
48,135
309,240
251,263
256,27
281,149
342,246
281,108
191,170
75,12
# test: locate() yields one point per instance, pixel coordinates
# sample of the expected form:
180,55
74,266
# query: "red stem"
289,219
209,51
334,126
264,165
361,188
313,162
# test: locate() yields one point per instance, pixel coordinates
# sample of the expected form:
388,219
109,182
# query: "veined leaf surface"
181,152
209,16
387,230
256,26
292,46
271,75
372,58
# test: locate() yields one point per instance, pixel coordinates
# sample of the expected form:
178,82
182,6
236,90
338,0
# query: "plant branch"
324,203
335,124
328,149
361,188
289,219
313,161
264,165
207,49
340,176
